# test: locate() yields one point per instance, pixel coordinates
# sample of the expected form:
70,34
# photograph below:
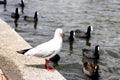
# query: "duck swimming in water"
15,14
91,54
32,19
69,38
82,34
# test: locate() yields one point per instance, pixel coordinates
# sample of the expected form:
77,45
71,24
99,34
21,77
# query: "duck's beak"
74,33
91,28
95,68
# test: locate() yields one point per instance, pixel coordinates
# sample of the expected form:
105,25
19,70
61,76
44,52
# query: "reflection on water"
71,46
16,23
35,25
4,7
88,42
69,15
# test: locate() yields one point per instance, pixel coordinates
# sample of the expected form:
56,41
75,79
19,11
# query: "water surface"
103,15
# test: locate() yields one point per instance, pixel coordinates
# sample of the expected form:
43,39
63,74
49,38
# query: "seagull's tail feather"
23,51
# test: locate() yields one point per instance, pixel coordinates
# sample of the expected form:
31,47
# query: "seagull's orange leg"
47,66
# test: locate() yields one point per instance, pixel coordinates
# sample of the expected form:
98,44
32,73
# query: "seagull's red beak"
61,34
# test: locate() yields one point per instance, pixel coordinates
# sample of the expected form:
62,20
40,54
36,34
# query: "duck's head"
97,49
90,28
16,10
36,16
16,14
71,33
71,38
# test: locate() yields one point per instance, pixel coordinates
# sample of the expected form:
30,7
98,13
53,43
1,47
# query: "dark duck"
91,54
55,59
31,19
3,2
82,34
15,15
69,38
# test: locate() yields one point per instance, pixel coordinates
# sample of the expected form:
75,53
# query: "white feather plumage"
48,49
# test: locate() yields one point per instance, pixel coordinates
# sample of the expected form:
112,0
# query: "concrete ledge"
14,64
2,76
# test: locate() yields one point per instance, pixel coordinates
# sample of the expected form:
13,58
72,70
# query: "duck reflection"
35,24
5,7
71,46
16,23
22,9
88,42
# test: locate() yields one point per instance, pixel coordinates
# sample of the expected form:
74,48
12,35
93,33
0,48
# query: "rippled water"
103,15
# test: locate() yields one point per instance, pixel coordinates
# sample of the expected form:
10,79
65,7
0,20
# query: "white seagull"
47,49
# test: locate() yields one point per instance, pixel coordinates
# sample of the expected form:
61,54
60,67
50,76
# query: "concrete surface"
17,66
2,76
